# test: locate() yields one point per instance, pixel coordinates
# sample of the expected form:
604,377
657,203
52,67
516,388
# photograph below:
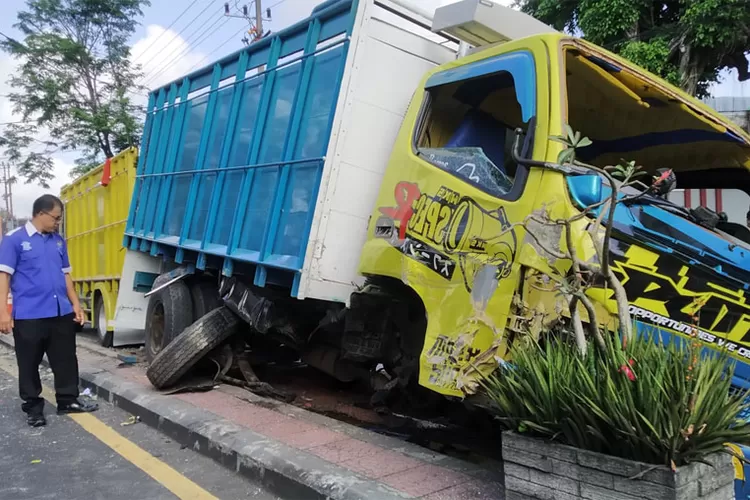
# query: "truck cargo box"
96,209
268,162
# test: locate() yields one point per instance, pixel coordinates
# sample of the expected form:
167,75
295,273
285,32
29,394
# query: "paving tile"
381,464
473,490
345,450
285,426
132,374
235,410
311,438
425,479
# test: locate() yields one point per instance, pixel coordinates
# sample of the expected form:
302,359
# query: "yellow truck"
351,187
354,187
96,210
355,176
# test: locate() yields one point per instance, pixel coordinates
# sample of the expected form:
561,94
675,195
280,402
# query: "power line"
277,3
216,50
255,21
168,27
176,36
256,28
205,34
181,51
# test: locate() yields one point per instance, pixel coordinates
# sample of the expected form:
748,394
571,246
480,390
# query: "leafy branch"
72,83
581,275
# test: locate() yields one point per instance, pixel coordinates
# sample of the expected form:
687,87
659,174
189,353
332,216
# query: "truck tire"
206,298
100,323
191,346
169,312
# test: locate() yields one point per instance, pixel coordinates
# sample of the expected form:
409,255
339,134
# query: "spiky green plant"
648,401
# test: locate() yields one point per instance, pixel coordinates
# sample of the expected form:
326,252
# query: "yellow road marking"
162,473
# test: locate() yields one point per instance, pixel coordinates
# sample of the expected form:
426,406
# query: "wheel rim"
101,321
157,329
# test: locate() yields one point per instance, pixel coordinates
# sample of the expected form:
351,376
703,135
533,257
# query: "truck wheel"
169,312
100,320
206,298
191,346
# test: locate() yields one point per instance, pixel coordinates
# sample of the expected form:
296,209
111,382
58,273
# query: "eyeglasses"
57,218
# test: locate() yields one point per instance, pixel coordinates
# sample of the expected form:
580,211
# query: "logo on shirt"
59,244
25,246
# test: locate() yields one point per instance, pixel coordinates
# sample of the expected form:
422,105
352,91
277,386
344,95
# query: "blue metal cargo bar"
232,154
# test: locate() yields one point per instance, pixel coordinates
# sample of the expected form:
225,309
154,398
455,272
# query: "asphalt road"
64,461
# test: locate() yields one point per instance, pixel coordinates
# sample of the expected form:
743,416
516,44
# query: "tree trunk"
689,74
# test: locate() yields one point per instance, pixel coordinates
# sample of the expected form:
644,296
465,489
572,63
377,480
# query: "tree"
73,80
686,42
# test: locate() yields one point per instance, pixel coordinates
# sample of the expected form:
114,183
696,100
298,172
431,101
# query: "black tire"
105,336
205,295
169,312
191,346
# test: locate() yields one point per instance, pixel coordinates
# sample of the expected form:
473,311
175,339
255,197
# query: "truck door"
449,206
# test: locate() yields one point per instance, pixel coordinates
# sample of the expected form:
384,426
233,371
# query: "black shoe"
36,420
77,407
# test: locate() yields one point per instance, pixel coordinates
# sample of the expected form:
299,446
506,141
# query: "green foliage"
73,80
686,42
648,402
652,56
572,141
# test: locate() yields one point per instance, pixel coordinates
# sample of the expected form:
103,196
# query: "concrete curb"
491,470
281,469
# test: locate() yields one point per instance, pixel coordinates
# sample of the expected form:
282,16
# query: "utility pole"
255,22
259,20
11,180
7,181
6,187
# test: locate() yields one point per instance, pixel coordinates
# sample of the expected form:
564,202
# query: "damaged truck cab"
450,220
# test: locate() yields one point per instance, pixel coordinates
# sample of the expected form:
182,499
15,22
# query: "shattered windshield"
471,164
467,128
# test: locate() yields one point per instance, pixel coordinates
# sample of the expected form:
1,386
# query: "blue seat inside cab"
480,130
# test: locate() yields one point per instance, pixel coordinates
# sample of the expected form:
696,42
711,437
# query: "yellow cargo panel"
95,217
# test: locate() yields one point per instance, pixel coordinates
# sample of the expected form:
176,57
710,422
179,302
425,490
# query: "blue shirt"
37,264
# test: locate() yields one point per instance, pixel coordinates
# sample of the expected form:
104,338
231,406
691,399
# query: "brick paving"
415,474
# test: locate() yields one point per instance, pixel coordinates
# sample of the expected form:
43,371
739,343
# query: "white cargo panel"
389,55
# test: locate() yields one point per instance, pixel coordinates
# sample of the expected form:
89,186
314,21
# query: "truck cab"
450,216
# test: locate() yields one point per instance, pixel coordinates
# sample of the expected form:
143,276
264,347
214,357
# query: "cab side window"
468,126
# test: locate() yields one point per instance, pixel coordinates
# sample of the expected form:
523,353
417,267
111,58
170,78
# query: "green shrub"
650,402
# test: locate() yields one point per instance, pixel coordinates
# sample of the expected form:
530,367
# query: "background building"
734,202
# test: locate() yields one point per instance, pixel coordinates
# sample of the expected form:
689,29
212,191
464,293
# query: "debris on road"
127,359
131,421
88,393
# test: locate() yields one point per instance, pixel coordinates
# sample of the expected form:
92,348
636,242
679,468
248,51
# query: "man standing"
34,265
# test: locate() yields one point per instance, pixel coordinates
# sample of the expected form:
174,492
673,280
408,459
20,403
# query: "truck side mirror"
664,182
587,190
517,152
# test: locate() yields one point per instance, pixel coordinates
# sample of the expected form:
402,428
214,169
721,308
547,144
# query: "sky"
174,38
